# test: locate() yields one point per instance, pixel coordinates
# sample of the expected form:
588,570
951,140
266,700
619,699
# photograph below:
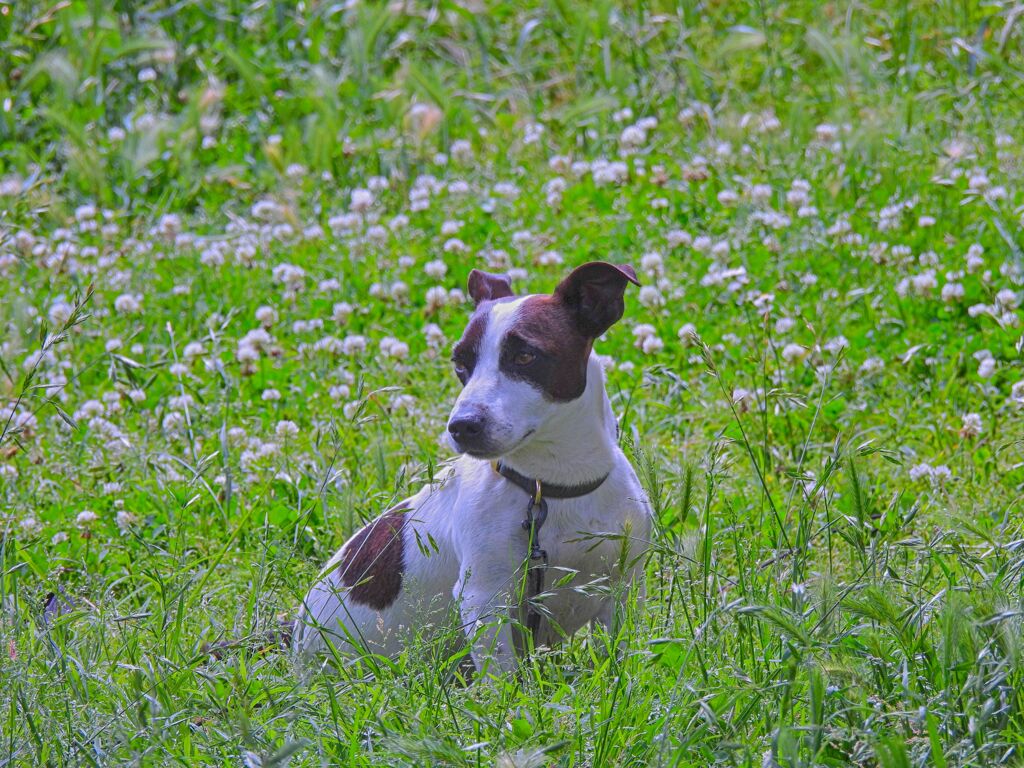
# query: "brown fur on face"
373,561
546,328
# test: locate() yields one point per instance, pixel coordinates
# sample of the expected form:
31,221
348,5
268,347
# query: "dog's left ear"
484,286
593,292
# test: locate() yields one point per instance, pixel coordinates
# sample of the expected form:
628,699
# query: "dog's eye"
524,358
460,369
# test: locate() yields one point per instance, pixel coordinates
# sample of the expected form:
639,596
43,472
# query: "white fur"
464,544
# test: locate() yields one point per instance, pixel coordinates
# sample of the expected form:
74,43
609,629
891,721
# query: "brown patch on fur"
373,560
546,327
467,349
559,330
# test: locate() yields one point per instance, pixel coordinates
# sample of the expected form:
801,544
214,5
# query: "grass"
829,193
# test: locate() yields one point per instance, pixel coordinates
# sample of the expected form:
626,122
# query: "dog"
538,528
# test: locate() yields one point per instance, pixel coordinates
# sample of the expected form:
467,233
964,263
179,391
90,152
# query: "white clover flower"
353,345
344,224
553,190
147,75
744,399
976,310
437,297
643,330
633,137
291,276
652,345
687,334
920,471
532,133
399,290
339,391
836,345
85,517
173,421
971,425
1017,392
1007,299
974,258
794,352
605,173
434,335
394,348
549,259
728,198
826,132
285,430
340,312
181,402
784,325
361,200
128,304
270,395
124,520
59,538
462,151
987,367
651,297
30,525
267,210
760,193
652,263
247,353
841,226
435,269
872,366
506,189
677,237
952,292
924,283
193,350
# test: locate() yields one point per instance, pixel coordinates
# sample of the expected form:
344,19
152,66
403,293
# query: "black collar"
538,489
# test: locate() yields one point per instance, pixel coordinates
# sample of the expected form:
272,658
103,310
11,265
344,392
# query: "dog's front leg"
486,616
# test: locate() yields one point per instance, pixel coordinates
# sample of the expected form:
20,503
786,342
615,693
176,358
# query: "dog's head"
521,358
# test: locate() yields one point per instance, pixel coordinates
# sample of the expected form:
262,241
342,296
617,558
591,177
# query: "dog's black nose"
466,429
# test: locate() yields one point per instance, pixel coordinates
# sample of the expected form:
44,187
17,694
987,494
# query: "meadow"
234,240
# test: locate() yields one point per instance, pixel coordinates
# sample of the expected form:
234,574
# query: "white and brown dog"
539,448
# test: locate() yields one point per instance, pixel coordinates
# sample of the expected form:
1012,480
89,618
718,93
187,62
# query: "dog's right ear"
594,294
484,286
